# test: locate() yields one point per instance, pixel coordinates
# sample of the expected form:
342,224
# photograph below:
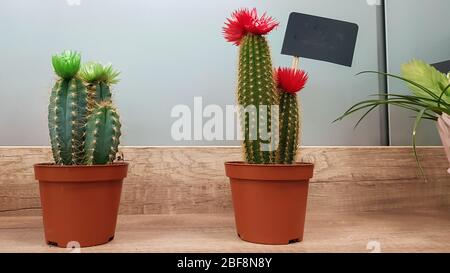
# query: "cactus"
71,105
99,79
67,110
289,81
102,135
256,86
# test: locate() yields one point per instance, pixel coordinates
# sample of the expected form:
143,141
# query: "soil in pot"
269,201
80,203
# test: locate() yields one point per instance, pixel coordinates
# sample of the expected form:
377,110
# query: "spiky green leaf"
94,72
66,64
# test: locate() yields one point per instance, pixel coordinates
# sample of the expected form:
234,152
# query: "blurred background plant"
429,98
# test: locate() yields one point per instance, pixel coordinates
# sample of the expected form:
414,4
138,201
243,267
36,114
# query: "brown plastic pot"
269,201
80,203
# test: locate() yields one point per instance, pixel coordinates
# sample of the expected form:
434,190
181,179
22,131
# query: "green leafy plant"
83,123
429,98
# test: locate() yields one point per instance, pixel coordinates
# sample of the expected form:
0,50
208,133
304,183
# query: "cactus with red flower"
256,85
289,81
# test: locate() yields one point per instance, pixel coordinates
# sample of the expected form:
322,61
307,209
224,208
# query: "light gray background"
415,29
170,51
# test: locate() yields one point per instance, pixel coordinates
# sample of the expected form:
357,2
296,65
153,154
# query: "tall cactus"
256,86
289,81
102,135
67,110
76,115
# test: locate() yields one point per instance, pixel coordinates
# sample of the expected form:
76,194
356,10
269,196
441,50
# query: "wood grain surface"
408,231
191,180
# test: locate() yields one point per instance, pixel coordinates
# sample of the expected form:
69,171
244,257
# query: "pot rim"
53,165
50,172
297,172
294,165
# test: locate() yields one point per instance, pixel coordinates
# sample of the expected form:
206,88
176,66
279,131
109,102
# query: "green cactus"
102,135
67,110
71,105
267,95
289,128
99,79
290,81
256,94
256,88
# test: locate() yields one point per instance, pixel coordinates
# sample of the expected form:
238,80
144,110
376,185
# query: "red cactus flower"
245,21
291,80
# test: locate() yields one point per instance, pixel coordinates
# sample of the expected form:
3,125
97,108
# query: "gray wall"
170,51
415,29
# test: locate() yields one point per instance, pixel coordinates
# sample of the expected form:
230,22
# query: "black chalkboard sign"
320,38
443,67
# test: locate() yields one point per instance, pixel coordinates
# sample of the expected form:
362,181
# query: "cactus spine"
102,135
76,114
67,110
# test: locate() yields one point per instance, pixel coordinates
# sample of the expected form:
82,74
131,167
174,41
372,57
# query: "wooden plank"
408,231
180,180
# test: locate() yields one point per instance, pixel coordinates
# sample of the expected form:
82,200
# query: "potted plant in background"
80,191
269,189
429,98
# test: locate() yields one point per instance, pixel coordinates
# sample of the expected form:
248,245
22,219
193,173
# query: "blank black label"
320,38
443,67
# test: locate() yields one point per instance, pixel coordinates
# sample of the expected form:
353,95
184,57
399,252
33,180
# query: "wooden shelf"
191,180
407,231
178,199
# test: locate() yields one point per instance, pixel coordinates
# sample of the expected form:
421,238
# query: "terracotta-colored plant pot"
443,125
80,203
269,201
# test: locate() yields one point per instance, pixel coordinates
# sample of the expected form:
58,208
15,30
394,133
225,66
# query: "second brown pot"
269,201
80,203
